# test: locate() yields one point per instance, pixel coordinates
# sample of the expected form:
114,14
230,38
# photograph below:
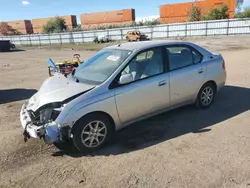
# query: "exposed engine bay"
38,117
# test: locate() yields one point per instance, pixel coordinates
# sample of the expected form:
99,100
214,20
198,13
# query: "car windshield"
102,65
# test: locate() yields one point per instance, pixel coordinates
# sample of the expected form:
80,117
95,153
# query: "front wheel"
91,132
206,96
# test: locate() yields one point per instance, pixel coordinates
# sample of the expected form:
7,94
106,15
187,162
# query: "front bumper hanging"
30,130
50,132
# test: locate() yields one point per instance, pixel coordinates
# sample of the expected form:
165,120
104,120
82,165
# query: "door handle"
200,71
162,83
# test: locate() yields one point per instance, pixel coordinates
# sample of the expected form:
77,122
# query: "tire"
205,96
137,40
85,133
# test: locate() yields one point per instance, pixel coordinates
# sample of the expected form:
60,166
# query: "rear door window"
182,56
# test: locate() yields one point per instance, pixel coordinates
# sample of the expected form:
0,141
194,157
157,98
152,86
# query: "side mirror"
125,79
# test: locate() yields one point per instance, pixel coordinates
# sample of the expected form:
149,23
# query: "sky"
29,9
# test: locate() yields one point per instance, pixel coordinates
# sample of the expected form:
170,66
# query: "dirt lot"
182,148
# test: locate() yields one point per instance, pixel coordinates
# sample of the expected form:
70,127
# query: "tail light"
224,65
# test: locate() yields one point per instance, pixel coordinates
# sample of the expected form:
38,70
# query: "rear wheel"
206,96
92,132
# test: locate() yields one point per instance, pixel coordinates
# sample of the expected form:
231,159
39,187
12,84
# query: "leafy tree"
244,14
5,29
148,23
151,23
55,25
194,14
140,23
218,13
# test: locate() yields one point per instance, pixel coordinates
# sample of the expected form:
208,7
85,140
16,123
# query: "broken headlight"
46,113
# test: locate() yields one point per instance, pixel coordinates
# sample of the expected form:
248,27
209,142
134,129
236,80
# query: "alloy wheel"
94,134
207,96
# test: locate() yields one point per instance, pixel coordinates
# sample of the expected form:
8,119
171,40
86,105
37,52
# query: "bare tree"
239,5
5,29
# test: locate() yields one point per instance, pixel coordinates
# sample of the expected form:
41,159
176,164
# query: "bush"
124,25
244,14
218,13
78,28
194,14
56,25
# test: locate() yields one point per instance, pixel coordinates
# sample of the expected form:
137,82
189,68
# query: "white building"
148,18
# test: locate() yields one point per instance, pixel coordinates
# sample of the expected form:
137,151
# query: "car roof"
137,46
144,44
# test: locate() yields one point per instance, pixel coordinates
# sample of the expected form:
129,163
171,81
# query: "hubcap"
207,96
94,134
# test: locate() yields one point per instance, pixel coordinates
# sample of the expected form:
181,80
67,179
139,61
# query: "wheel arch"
209,81
95,113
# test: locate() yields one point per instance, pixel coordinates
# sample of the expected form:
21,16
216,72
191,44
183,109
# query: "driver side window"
145,64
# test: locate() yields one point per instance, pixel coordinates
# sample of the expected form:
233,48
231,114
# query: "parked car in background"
136,36
118,86
102,39
12,46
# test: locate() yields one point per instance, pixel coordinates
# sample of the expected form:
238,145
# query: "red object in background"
114,16
176,13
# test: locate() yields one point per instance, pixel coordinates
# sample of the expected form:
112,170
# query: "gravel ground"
182,148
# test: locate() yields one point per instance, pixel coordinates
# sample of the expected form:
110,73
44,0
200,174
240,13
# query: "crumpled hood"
56,89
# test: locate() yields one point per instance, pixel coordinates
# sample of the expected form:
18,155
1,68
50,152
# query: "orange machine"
174,13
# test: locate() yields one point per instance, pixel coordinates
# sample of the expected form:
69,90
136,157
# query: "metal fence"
188,29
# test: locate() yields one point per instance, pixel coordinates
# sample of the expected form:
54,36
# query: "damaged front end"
41,124
39,116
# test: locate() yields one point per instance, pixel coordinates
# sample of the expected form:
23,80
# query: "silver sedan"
118,86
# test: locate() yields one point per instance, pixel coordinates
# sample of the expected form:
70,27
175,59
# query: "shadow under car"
229,102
